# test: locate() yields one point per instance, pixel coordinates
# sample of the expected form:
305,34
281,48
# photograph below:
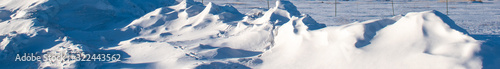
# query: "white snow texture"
166,34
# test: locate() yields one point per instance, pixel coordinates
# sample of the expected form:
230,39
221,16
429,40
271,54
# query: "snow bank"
419,40
192,35
60,26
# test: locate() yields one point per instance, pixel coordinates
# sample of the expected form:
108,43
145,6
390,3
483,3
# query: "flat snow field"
477,18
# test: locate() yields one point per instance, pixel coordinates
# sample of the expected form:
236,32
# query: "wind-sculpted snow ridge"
419,40
65,27
189,34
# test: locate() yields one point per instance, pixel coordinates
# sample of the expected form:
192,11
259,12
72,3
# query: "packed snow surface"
167,34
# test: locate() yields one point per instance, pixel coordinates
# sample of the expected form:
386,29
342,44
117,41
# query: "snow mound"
417,40
159,34
64,26
285,11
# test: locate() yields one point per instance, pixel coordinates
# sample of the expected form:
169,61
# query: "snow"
477,18
168,34
416,41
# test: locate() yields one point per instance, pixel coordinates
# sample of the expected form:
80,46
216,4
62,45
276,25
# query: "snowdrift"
166,34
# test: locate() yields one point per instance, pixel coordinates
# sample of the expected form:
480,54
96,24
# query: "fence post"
446,7
392,2
267,4
335,8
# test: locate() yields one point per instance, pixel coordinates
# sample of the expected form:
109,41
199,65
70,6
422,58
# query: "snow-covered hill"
188,34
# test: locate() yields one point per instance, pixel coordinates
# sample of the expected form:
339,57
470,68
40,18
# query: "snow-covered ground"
168,34
477,18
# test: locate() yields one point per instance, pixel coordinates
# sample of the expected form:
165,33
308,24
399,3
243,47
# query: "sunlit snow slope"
188,34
